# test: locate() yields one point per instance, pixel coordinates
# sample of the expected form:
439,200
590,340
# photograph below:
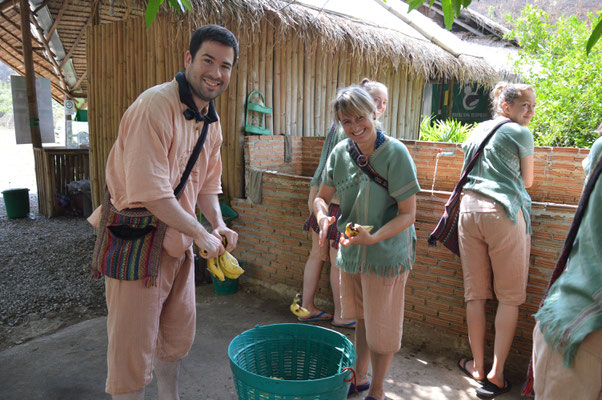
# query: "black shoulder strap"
192,160
362,162
193,113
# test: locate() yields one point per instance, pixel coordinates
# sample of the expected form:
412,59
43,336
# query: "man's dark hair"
214,33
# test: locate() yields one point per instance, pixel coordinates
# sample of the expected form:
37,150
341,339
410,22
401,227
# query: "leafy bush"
566,80
450,130
6,98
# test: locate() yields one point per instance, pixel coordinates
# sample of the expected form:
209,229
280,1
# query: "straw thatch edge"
333,31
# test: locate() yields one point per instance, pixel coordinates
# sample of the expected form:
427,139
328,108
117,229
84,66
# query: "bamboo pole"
283,87
307,99
318,94
288,92
262,57
276,112
394,113
237,164
299,83
311,65
409,105
293,85
269,77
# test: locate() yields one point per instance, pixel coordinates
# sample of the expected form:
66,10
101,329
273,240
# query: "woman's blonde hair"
505,92
369,86
353,100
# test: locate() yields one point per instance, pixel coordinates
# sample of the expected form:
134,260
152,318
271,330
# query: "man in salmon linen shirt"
153,328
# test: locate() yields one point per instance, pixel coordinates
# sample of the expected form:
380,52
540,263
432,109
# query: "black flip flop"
462,367
490,390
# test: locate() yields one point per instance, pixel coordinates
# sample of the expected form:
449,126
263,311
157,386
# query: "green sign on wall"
470,103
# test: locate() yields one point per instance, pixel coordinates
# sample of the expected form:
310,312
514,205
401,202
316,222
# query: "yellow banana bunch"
213,267
229,266
351,229
225,266
296,307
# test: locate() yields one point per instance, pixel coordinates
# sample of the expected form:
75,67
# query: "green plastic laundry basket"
291,362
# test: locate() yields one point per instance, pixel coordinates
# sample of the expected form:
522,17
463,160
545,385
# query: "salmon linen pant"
144,323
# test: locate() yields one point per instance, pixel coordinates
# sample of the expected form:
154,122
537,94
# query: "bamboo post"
311,66
393,112
288,92
269,89
34,121
237,165
276,112
318,94
299,100
293,85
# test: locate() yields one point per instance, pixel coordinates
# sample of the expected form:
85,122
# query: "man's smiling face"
208,74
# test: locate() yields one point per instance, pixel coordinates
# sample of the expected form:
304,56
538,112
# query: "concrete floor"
70,364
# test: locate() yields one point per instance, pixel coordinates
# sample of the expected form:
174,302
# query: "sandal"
462,367
490,390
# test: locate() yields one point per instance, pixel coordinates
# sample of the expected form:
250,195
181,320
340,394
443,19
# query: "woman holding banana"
374,178
320,254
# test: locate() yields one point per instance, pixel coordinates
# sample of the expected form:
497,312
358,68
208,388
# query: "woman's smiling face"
359,128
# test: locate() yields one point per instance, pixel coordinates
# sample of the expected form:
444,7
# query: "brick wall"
273,247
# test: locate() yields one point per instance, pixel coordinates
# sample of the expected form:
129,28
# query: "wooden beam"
74,46
18,39
95,6
57,20
18,53
18,28
34,120
51,57
79,81
9,5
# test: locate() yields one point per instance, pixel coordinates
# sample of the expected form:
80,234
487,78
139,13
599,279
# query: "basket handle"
353,378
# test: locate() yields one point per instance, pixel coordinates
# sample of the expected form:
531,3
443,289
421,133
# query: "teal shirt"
497,172
573,308
366,203
335,135
594,154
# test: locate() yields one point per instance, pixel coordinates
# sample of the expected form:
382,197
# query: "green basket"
291,362
229,286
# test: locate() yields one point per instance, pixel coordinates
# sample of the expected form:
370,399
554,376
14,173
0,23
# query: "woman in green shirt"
494,230
320,254
374,264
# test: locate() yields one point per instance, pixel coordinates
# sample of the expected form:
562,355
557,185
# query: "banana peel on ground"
296,308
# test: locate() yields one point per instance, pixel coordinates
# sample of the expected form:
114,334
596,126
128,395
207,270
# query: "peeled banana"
296,307
225,266
351,229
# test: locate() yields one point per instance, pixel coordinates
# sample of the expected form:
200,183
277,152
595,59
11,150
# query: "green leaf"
594,37
175,4
448,13
457,5
466,3
187,5
414,4
151,11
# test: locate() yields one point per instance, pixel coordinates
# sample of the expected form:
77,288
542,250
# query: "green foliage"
451,10
451,130
6,98
153,7
566,80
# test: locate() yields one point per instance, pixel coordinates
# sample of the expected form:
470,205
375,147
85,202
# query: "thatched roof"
63,57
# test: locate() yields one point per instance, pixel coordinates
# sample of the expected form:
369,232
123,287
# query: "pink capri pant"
494,251
146,323
380,302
